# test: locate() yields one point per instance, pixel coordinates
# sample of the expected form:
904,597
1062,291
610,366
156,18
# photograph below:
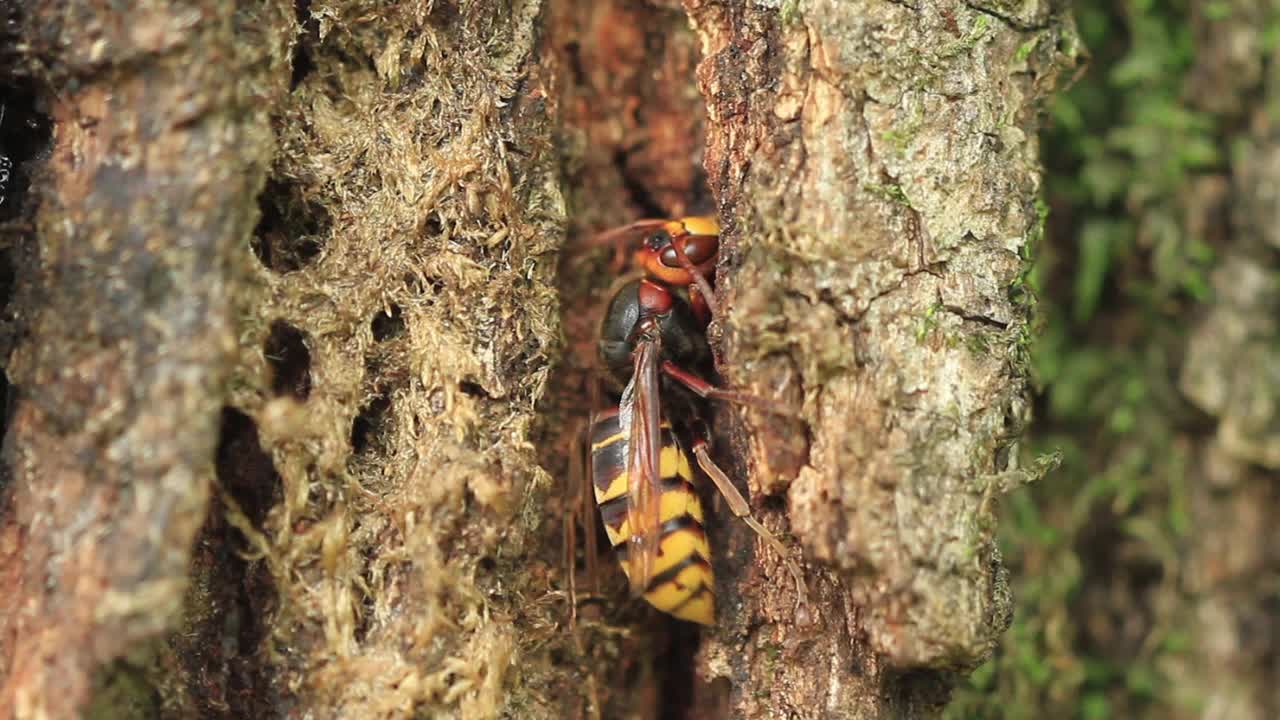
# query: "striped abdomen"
682,582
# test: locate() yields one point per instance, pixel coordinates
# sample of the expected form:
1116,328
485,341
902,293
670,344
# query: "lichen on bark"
877,172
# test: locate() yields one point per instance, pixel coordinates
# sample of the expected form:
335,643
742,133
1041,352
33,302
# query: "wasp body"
642,475
682,583
643,309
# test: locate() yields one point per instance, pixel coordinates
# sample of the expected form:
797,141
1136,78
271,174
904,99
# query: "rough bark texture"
403,329
346,355
876,166
1147,565
159,140
393,315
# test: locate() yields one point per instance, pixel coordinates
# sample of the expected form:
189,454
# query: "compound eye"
698,248
669,257
701,248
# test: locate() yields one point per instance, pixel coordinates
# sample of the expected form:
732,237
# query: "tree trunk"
123,321
307,456
877,168
1148,564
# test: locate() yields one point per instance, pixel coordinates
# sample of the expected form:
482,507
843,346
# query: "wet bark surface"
302,325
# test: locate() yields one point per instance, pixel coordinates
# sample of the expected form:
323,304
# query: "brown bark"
876,165
128,333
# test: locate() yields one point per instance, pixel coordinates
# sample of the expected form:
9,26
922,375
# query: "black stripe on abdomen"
673,572
674,525
607,463
606,424
702,590
614,510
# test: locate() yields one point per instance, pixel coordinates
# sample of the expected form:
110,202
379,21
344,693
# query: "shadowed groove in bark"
371,424
24,139
228,610
244,470
632,132
24,136
24,143
678,678
6,280
308,35
388,325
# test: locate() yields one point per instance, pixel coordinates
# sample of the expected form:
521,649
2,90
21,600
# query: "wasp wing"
640,417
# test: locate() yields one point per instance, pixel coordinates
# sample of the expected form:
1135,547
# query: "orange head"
697,237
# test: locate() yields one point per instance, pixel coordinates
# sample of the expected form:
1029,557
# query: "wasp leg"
581,511
625,233
738,505
704,389
701,308
569,541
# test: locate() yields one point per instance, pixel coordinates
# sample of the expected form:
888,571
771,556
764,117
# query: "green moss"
1217,10
123,690
789,12
928,323
979,32
1025,49
978,344
773,651
892,193
900,137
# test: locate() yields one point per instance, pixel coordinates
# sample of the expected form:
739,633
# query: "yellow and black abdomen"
682,582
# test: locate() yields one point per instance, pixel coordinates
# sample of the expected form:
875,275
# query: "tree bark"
126,331
877,170
368,382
